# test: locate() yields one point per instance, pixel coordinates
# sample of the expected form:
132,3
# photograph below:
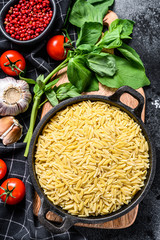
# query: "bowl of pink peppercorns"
27,21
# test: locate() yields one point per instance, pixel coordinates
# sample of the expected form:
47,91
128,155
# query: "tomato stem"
13,65
65,34
8,193
3,189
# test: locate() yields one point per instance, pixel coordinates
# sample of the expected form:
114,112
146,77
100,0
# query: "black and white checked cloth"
18,222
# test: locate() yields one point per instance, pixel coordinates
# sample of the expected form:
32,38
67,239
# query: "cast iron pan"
47,205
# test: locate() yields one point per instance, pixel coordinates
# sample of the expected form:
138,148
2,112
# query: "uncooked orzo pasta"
91,158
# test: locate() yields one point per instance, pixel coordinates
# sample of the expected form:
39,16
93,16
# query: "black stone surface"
146,41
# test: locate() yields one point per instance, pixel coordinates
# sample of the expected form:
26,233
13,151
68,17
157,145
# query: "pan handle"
67,222
126,89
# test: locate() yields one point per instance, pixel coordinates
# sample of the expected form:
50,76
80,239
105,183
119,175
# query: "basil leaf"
40,84
63,88
127,74
93,85
118,30
127,27
73,93
82,12
51,95
97,49
78,73
89,33
85,48
40,88
51,84
103,64
66,90
37,90
28,80
130,54
40,78
111,39
101,5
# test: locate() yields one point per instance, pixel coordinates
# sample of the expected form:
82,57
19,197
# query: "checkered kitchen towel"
18,222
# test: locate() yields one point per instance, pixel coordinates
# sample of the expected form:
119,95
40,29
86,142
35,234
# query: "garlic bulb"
14,96
10,130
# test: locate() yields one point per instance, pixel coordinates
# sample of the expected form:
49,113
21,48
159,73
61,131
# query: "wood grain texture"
129,218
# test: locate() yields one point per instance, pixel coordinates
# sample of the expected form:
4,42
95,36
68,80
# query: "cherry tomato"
12,62
12,191
55,47
3,169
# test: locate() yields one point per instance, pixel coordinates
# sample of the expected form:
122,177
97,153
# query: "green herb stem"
26,137
62,65
32,123
98,43
42,103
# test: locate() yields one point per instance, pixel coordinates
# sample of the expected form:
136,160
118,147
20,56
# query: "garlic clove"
13,136
10,130
5,124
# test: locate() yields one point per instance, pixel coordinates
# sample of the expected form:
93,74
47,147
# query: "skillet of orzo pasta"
91,159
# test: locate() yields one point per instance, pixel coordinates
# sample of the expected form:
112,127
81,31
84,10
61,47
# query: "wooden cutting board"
129,218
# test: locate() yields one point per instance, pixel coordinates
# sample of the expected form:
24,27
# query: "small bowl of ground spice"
26,22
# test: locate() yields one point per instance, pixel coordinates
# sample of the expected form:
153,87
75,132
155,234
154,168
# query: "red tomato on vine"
56,47
12,62
3,169
12,191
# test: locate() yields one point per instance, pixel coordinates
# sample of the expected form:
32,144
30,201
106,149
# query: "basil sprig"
87,63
